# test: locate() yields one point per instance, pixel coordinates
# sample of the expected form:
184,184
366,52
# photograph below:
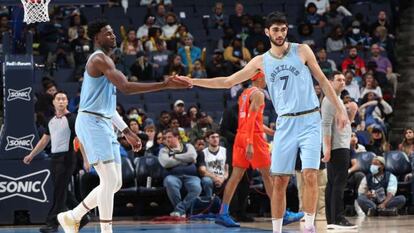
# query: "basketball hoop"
36,11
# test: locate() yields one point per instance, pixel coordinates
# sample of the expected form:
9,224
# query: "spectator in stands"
134,125
259,48
145,120
160,15
200,144
378,142
175,66
369,84
179,113
4,27
407,144
77,21
384,66
235,20
203,125
141,70
351,85
171,26
377,191
62,57
155,42
218,19
354,62
44,103
337,15
226,39
121,110
237,54
212,164
305,32
153,144
322,6
386,42
375,111
318,92
142,32
382,20
336,41
182,32
198,70
82,47
131,45
194,114
357,37
312,17
255,36
164,121
179,160
189,53
354,174
328,66
218,67
159,60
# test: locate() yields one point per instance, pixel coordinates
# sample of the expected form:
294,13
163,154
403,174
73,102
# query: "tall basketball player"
94,125
288,69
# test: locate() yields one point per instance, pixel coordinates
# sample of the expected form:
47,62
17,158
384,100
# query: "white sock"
309,219
106,227
277,225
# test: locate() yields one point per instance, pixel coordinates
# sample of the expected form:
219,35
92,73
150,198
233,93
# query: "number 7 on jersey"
286,78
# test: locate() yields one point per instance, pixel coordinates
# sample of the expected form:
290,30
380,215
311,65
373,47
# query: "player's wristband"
119,122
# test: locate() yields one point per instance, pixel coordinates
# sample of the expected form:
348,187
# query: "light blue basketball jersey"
289,82
98,94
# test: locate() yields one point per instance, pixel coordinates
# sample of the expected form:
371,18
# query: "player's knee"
310,177
281,182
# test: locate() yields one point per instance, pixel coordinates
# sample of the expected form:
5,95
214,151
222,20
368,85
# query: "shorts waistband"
301,113
96,114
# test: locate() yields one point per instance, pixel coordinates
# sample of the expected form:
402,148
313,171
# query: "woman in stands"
407,144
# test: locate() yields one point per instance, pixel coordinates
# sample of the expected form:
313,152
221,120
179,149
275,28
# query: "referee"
60,132
336,150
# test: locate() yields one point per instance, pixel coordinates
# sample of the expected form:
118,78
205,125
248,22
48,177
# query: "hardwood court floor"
401,224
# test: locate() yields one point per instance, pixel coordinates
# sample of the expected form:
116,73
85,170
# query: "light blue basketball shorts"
98,138
292,133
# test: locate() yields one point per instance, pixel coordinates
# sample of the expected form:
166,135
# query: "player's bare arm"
309,59
256,100
102,64
240,76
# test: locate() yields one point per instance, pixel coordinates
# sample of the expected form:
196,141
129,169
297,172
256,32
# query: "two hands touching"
178,82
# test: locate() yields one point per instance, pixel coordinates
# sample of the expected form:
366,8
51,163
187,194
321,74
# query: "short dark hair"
332,76
60,92
174,132
209,133
132,120
276,17
95,27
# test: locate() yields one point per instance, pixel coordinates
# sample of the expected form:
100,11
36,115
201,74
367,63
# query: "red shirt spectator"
354,63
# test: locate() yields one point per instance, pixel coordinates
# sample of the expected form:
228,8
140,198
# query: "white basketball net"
36,11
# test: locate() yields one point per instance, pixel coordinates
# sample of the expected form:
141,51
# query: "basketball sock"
108,183
277,225
224,208
106,226
309,220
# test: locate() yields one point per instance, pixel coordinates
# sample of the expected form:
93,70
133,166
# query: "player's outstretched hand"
341,119
178,82
133,140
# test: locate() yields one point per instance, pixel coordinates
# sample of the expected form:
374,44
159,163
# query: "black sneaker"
48,229
84,221
343,224
372,212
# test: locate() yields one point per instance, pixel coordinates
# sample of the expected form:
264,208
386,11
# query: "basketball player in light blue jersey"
97,113
288,69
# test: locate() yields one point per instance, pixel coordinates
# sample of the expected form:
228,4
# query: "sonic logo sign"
22,94
25,142
30,186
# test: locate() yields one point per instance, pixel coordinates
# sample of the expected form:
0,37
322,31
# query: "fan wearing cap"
377,191
180,113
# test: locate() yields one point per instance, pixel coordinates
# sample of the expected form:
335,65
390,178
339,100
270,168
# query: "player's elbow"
125,89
